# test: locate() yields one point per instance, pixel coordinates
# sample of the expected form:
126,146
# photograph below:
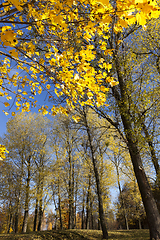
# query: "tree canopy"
77,53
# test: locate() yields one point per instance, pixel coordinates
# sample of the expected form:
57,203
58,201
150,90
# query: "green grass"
78,235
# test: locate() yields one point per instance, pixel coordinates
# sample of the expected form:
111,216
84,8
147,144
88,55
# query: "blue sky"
3,120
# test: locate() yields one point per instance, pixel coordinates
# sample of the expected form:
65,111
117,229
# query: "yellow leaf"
4,28
18,104
21,18
6,104
141,18
48,86
130,19
140,1
76,118
19,32
16,3
9,98
24,93
29,28
14,53
2,151
6,113
9,38
104,2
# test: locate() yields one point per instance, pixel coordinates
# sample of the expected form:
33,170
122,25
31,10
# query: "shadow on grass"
77,234
134,234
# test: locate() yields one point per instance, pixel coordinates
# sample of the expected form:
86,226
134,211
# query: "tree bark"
59,206
16,220
139,223
99,192
150,206
35,215
25,219
91,215
10,217
121,196
83,216
71,190
40,215
87,203
152,151
40,212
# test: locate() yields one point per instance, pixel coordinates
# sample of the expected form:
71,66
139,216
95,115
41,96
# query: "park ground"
79,235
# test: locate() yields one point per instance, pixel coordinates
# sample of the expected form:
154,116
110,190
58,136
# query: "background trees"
26,140
100,64
130,200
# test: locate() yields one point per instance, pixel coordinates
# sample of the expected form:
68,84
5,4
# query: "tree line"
50,162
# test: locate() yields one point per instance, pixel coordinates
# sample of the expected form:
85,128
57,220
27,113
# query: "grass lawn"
78,235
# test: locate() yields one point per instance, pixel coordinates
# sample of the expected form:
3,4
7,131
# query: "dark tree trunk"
17,212
40,215
87,203
59,207
99,192
16,221
83,211
91,215
99,224
150,206
10,222
25,219
70,194
35,216
71,186
75,205
151,147
145,190
72,199
40,212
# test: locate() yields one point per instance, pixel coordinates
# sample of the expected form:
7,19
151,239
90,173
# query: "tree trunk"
40,215
99,192
83,210
35,215
40,212
70,185
59,206
152,149
151,209
16,221
99,224
25,220
121,196
150,206
72,199
91,215
139,223
87,203
75,205
10,222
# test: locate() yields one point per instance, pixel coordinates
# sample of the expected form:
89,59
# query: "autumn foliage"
44,40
